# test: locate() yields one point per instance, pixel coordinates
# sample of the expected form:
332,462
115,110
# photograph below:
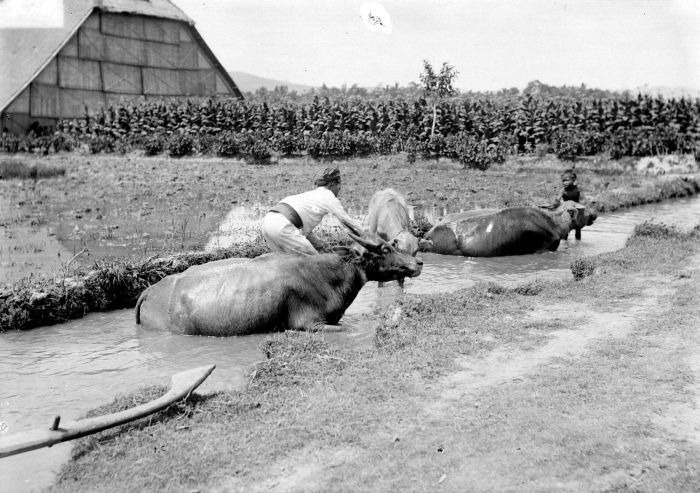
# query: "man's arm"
336,208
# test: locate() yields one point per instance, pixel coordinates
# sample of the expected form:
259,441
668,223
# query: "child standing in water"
570,191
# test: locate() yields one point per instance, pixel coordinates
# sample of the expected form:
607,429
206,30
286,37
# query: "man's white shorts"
282,236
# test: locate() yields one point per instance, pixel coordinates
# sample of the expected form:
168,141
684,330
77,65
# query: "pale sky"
611,44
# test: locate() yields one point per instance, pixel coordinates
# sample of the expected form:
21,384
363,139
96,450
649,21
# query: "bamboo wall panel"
73,102
124,50
160,81
188,57
71,47
20,103
121,78
44,100
197,82
49,74
161,55
221,85
93,22
161,30
76,73
125,26
202,60
185,36
91,44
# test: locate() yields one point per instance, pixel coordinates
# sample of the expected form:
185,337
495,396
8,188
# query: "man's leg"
281,235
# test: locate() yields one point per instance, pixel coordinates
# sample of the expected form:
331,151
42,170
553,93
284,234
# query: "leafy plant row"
475,131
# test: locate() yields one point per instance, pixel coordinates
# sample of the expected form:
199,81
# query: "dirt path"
508,364
680,419
481,464
683,419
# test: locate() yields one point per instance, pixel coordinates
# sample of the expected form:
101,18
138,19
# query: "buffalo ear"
343,251
349,252
371,244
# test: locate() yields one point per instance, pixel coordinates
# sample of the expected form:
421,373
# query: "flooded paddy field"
108,205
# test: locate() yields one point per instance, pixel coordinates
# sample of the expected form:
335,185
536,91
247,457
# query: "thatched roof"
25,51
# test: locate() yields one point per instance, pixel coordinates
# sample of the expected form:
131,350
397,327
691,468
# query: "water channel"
70,368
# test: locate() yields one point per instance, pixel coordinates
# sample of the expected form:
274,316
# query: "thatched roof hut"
105,52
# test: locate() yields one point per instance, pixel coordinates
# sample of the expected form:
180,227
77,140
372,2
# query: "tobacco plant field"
476,130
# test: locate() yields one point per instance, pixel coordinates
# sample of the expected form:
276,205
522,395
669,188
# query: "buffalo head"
579,216
406,242
382,261
440,239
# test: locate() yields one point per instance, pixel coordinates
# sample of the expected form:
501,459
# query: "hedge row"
474,132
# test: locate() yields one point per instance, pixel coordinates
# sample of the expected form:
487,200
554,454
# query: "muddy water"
70,368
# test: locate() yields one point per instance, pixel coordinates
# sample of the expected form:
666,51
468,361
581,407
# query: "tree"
437,86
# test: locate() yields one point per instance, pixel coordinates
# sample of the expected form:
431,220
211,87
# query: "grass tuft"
582,268
656,230
532,288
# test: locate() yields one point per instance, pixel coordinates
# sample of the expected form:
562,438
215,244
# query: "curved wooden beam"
181,385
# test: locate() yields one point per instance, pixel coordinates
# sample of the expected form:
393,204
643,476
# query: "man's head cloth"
329,176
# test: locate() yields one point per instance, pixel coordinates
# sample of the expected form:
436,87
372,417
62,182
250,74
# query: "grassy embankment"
549,386
133,217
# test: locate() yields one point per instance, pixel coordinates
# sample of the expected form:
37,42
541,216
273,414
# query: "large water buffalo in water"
512,231
273,292
388,217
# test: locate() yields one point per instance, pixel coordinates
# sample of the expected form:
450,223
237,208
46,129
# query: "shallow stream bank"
546,385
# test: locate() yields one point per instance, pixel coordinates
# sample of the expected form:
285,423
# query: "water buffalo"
388,217
273,292
512,231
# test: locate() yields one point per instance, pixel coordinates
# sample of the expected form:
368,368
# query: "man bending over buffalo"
288,226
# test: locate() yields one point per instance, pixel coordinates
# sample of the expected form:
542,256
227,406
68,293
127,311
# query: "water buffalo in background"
273,292
512,231
388,217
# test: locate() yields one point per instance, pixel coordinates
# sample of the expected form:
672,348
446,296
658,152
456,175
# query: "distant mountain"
667,92
250,83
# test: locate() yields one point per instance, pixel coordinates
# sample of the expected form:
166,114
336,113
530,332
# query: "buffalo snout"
592,216
396,265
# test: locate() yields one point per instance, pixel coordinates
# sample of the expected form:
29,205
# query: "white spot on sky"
375,17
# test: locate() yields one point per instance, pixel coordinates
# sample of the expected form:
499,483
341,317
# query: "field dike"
113,284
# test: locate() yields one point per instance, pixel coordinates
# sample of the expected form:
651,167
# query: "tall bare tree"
437,86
